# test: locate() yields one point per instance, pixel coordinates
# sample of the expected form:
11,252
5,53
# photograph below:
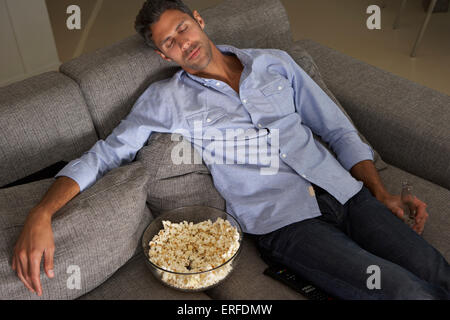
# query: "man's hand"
395,204
36,239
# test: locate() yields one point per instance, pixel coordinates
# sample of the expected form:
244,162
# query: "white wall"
27,46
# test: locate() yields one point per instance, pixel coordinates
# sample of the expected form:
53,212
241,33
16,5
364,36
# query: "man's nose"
185,44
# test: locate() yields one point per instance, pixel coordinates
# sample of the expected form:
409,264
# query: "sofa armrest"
409,124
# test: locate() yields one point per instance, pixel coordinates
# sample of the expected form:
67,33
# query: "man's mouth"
194,53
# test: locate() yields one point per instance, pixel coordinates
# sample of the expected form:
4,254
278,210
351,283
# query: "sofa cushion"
135,281
43,119
113,78
98,231
306,62
170,185
48,172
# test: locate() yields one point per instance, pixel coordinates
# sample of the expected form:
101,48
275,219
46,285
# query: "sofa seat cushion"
96,233
134,281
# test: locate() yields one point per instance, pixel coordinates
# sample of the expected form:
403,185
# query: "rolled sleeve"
350,150
80,172
119,148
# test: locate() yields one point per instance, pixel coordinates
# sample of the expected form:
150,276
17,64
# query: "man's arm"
36,237
324,117
366,172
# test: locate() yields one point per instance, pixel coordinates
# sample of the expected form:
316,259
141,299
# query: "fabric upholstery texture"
405,121
44,120
134,281
99,231
46,173
112,78
171,186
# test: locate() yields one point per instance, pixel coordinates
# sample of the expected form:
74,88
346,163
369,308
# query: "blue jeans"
334,251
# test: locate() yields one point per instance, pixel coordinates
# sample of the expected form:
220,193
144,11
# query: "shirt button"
284,155
208,120
218,84
244,101
303,176
280,88
259,125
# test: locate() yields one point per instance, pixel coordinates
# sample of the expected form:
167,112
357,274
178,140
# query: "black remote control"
295,282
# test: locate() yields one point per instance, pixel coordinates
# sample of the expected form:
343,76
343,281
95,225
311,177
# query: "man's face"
181,39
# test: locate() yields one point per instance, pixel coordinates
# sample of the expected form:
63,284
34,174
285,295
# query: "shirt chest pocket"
204,119
280,96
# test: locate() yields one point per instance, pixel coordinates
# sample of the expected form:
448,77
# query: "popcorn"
191,248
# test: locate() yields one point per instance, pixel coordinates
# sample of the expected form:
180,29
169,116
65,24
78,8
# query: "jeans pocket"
332,210
362,196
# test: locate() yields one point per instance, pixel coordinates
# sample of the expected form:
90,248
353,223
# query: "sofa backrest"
112,78
43,120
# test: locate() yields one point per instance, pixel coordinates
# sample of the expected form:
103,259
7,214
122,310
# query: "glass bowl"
194,281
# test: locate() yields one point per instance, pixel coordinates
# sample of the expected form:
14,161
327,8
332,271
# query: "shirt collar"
243,56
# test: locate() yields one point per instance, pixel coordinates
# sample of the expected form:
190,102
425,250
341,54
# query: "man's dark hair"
150,13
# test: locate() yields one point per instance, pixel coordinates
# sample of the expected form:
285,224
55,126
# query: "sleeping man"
327,218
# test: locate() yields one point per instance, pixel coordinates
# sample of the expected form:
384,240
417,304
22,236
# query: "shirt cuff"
351,150
81,173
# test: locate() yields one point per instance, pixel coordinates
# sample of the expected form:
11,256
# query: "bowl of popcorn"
192,248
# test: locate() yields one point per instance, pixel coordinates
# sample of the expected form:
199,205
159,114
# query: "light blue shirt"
277,110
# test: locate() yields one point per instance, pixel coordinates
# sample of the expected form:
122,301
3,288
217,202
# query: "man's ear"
162,55
199,19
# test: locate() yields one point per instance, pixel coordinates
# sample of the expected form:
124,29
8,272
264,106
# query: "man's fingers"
398,212
419,206
421,215
34,270
22,278
48,262
23,262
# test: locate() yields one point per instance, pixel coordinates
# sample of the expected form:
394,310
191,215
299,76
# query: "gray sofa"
59,115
